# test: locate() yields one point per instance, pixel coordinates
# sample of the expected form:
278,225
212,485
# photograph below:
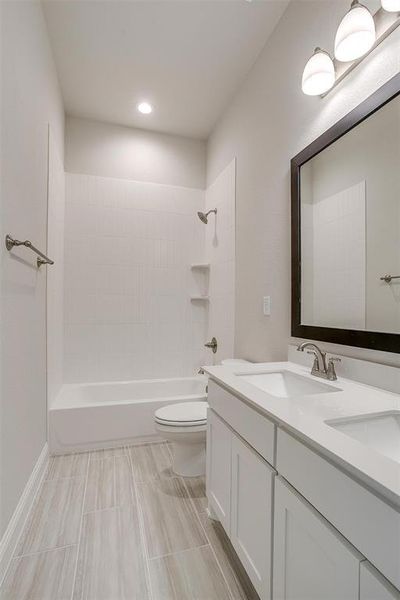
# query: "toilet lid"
184,413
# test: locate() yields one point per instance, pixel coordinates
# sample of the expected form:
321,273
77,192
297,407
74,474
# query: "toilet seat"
184,414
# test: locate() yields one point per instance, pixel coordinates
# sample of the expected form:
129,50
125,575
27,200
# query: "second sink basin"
380,431
285,384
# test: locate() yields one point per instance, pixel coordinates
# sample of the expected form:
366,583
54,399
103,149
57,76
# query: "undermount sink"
380,431
285,384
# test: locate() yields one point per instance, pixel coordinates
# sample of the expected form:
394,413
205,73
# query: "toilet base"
189,460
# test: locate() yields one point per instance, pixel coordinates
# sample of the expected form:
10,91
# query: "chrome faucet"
319,368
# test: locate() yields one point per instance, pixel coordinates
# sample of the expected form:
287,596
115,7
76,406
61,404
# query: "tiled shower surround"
128,250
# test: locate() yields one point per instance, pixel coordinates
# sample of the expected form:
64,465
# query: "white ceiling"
186,57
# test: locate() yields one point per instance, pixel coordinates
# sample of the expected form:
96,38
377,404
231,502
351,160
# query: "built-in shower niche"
200,282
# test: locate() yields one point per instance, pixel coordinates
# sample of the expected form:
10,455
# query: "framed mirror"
346,228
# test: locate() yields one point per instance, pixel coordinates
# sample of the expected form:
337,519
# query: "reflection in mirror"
350,228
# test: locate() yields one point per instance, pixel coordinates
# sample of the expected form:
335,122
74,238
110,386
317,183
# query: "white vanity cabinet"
218,484
373,586
240,494
251,514
312,561
299,524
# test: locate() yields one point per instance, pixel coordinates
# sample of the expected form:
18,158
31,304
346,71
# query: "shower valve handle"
213,345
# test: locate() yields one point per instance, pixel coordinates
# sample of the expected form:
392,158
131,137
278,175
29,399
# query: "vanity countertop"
305,416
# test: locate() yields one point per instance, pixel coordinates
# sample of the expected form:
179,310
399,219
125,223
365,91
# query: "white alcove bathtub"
105,415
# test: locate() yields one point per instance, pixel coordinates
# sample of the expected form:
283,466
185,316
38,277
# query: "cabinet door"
311,560
373,586
218,485
251,517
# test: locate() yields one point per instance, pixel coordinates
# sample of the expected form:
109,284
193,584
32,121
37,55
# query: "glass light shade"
391,5
356,33
318,74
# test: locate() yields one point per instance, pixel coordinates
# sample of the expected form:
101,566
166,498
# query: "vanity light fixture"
355,34
391,5
318,74
145,108
358,34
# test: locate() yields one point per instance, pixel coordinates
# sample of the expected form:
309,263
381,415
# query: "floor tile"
109,483
55,518
111,563
68,465
44,576
190,575
108,452
170,521
150,461
238,581
196,487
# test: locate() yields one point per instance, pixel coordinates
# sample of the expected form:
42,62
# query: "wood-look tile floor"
120,525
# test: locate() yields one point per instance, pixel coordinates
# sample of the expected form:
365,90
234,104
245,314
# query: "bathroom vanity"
304,476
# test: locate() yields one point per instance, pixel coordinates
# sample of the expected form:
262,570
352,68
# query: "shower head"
204,216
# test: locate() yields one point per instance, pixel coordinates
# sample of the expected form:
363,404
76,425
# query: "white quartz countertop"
305,417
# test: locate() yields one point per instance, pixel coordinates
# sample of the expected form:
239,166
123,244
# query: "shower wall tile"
127,285
220,253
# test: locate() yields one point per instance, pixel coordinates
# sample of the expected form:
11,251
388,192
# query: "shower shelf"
195,298
200,266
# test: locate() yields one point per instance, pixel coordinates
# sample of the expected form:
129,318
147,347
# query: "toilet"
185,426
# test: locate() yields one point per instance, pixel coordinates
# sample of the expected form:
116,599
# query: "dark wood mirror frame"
389,342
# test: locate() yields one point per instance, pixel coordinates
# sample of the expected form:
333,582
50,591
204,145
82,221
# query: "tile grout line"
178,552
141,530
43,551
80,527
209,542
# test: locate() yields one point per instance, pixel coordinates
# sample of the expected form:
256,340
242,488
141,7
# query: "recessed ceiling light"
145,108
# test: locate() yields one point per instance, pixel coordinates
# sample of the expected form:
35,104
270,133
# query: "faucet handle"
331,367
315,367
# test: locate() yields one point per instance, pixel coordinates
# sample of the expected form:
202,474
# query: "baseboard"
18,520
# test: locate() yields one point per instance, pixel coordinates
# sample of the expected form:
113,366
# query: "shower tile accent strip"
119,524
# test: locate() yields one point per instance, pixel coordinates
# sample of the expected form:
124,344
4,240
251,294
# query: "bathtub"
105,415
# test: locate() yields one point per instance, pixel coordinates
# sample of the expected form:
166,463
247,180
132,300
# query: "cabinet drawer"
368,522
256,429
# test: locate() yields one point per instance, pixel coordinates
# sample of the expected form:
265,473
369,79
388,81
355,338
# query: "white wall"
30,100
268,122
128,250
55,273
220,254
107,150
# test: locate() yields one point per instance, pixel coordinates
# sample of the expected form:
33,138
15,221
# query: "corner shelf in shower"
200,266
195,298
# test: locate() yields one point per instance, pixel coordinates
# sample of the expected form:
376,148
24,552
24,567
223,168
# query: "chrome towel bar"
42,259
388,278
